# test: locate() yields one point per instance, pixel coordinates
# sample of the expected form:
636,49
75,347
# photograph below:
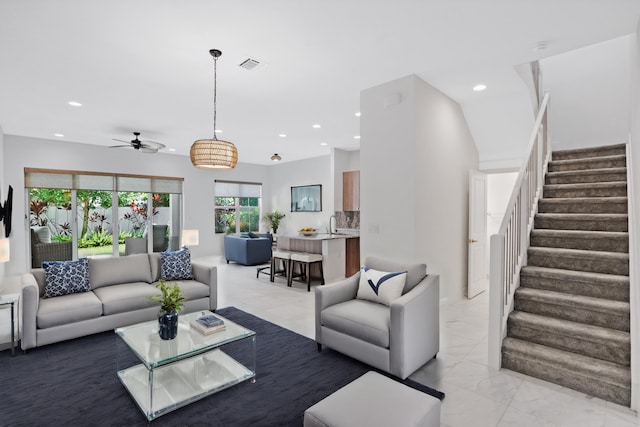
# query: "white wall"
20,152
634,211
416,153
499,189
589,94
304,172
3,196
342,161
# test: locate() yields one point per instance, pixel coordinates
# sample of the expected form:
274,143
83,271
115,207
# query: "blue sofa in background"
248,250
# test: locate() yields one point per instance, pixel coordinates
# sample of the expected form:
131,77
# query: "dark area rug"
74,383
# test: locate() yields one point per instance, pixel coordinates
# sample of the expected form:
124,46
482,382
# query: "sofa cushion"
68,309
361,319
154,261
66,277
176,265
105,271
193,289
43,235
126,297
415,272
380,286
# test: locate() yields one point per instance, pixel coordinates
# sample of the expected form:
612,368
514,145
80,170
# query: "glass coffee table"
174,373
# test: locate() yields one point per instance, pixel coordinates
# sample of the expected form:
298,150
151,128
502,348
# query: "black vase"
168,325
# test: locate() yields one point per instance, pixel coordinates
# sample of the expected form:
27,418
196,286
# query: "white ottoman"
374,400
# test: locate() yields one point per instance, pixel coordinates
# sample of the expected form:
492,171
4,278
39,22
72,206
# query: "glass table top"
144,341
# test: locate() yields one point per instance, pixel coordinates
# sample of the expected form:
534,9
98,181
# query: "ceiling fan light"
213,154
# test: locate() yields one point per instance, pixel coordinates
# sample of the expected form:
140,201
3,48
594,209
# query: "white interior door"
477,242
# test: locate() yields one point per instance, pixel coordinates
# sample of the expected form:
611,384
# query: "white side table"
11,301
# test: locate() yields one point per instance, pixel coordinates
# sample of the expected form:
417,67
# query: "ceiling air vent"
250,64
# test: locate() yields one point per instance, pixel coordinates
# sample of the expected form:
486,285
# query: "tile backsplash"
350,219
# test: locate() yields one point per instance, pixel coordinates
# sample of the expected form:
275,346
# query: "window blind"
237,189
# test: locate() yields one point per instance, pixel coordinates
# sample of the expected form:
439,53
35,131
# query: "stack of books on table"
208,324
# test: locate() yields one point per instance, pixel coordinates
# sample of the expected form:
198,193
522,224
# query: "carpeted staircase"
570,325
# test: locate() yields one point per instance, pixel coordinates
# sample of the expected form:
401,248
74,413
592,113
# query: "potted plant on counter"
273,219
170,301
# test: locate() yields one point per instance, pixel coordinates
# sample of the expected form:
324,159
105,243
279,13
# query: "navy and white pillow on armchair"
382,287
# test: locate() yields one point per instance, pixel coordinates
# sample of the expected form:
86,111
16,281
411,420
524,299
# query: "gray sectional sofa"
118,296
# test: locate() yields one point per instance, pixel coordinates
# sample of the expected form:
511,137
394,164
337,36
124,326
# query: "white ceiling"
143,65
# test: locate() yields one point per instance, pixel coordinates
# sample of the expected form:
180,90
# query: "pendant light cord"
215,95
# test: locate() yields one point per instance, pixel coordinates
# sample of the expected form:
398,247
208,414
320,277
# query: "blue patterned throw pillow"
66,277
176,265
380,286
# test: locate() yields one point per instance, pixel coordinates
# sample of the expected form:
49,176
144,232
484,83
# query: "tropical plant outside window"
237,214
51,208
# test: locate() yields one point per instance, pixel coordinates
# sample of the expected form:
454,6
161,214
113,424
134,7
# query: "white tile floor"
476,395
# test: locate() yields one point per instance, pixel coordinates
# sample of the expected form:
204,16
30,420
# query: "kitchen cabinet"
351,191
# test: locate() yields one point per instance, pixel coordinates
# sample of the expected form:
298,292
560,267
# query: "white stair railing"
509,246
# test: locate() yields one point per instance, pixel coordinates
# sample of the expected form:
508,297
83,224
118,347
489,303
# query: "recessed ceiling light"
479,87
276,157
75,104
323,143
59,135
316,126
283,135
356,137
218,131
172,149
358,114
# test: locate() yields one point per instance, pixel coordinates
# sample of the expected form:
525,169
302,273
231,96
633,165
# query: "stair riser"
575,381
610,352
570,155
611,320
585,225
590,264
569,193
588,289
578,179
587,164
616,244
550,206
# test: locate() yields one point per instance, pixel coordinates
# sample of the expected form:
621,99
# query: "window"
110,211
237,206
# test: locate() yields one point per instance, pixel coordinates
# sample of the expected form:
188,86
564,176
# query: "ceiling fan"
136,144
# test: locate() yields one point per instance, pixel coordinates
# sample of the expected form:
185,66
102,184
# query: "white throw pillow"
382,287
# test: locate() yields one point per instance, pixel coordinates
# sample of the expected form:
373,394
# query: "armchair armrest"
415,327
208,275
335,293
29,302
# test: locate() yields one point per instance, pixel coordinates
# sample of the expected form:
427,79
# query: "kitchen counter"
321,236
340,252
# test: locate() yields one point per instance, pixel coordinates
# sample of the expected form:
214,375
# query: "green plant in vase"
170,300
273,219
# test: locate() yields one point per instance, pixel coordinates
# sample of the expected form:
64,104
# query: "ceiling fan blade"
148,150
121,146
121,140
152,145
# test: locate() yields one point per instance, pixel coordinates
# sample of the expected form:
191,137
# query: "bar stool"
305,260
280,256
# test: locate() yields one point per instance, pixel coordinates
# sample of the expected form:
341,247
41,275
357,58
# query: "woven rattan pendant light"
214,153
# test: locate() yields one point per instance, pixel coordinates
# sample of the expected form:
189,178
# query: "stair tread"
582,216
587,172
588,159
579,253
575,275
574,301
614,199
586,234
608,372
581,185
589,150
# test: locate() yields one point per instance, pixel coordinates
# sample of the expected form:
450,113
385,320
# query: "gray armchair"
398,339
